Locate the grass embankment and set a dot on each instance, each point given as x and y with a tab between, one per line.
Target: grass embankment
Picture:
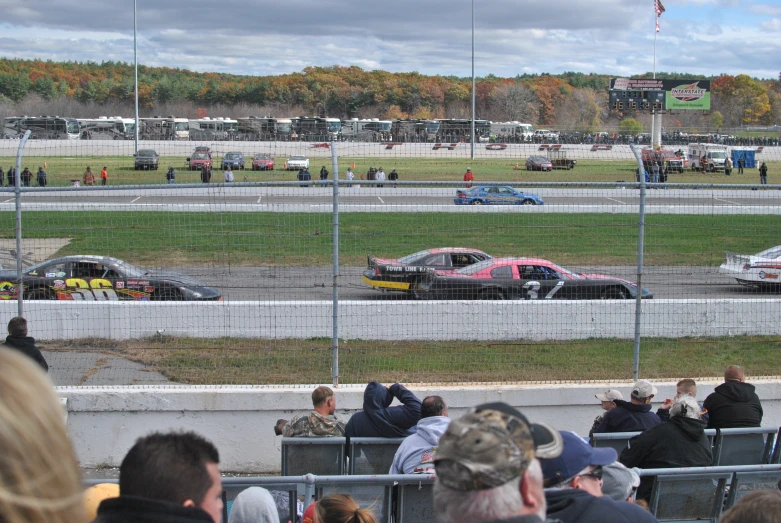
273	239
260	361
61	170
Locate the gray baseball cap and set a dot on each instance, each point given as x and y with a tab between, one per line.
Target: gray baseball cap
643	389
610	395
490	445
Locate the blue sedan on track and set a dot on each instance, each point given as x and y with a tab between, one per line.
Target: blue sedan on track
495	195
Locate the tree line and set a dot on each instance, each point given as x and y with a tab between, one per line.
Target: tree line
569	100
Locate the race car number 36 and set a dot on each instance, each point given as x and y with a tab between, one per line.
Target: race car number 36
96	290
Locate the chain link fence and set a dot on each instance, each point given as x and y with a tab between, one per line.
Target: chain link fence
281	276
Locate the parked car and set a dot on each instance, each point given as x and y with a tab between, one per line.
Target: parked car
295	163
263	162
538	163
495	195
147	159
199	161
234	160
402	274
524	279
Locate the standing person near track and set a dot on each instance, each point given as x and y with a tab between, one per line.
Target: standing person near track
41	176
89	176
104	176
469	177
393	177
763	174
171	175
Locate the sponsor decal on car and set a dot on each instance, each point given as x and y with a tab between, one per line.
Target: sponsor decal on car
50	275
132	282
149	288
7	290
120	285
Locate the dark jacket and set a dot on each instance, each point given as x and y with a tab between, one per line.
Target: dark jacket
733	404
529	518
378	419
27	346
628	417
681	442
578	506
133	509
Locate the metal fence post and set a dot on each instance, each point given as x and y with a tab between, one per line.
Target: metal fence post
18	201
335	306
640	244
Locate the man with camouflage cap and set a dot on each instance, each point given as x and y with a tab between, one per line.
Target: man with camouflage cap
318	423
488	470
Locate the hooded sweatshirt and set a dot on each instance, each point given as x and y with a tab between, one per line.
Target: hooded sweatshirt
679	443
133	509
378	419
733	404
27	346
254	505
578	506
415	455
628	417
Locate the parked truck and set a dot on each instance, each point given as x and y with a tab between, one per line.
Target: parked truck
670	160
707	156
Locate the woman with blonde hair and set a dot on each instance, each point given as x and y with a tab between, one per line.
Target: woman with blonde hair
341	508
39	476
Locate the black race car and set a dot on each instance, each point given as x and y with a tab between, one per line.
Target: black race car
524	279
102	278
404	273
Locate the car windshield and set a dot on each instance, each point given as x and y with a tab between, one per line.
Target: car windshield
475	268
200	156
262	156
772	253
718	155
182	126
413	257
233	156
297	158
146	152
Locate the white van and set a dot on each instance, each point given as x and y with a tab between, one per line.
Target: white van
707	156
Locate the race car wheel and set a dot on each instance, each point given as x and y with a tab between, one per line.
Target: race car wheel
528	202
614	293
491	294
477	202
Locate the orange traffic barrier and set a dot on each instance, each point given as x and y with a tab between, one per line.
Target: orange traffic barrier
516	167
285	167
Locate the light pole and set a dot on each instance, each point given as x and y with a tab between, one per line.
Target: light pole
135	61
472	132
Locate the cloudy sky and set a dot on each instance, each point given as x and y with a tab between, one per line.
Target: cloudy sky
267	37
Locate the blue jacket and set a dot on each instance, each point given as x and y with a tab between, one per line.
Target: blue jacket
378	419
578	506
628	417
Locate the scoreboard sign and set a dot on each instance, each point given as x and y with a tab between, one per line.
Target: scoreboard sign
628	94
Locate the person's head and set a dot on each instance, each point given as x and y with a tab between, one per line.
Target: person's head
608	398
734	373
432	406
642	392
104	167
179	467
487	465
89	168
323	399
254	505
341	508
579	466
39	477
760	506
94	495
469	169
686	387
685	407
618	482
17	327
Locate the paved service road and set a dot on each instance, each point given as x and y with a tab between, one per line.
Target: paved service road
315	283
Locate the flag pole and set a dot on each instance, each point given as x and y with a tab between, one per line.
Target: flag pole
654	145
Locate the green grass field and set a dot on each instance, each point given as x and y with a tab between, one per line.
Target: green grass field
61	170
304	239
252	361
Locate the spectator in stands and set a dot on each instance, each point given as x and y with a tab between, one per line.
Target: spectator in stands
679	443
761	506
469	177
378	419
416	453
733	403
608	403
341	508
39	475
170	477
41	177
89	176
685	387
18	339
633	415
254	505
321	422
488	467
573	484
619	483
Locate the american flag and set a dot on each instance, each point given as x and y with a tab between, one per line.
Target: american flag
658	7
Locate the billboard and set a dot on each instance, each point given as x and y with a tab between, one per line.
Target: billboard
678	94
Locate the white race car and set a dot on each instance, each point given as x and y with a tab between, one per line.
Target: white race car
758	270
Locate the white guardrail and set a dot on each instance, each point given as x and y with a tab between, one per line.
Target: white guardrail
383	320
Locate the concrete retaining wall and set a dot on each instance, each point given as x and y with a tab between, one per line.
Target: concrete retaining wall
402	320
105	421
